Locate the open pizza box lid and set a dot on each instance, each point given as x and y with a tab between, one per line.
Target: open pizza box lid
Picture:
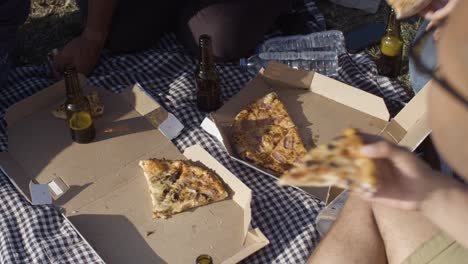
100	188
321	108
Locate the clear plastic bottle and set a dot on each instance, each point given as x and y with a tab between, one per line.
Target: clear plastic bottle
324	62
332	40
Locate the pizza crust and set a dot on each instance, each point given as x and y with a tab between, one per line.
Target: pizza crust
178	185
407	8
337	163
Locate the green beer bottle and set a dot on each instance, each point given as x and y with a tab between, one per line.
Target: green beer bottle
204	259
206	78
77	108
391	47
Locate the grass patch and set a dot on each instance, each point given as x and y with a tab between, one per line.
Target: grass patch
51	24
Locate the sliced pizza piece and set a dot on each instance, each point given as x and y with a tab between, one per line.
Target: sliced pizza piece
265	135
407	8
177	185
337	163
97	108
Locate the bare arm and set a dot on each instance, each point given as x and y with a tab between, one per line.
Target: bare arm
83	51
408	183
99	19
447	207
360	244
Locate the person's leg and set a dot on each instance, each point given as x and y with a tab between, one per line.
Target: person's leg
13	13
354	238
235	26
402	231
137	25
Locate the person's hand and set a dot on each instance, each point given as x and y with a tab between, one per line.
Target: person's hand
438	11
82	52
404	180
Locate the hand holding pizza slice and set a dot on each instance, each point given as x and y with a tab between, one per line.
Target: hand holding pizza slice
337	163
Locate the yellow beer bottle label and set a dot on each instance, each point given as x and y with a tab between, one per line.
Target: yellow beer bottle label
80	120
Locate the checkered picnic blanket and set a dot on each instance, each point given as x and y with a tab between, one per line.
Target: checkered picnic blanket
40	234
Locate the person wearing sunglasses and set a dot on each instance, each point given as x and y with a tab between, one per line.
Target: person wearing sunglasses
417	215
434	14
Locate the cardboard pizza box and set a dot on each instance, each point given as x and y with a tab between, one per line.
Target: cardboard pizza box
100	188
321	108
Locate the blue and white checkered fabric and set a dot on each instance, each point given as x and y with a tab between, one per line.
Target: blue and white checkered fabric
39	234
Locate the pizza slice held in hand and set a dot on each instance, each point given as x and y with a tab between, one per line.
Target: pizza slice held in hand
337	163
179	185
265	135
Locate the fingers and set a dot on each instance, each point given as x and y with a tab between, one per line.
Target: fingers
430	25
437	13
382	150
433	6
369	138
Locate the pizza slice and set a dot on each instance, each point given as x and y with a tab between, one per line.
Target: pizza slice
407	8
178	185
265	135
97	108
337	163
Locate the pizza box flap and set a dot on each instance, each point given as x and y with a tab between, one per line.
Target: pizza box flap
242	195
219	229
279	74
410	126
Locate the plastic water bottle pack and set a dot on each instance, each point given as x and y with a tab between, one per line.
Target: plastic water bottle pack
314	52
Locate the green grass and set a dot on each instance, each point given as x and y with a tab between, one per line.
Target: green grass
52	23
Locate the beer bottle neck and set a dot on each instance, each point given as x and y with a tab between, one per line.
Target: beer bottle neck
206	56
393	25
72	84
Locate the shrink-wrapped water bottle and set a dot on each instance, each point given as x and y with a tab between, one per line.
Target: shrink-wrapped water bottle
314	52
324	62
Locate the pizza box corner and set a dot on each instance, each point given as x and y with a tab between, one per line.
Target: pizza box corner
321	108
101	190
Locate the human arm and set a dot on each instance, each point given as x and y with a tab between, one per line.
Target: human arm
83	51
438	11
447	208
408	183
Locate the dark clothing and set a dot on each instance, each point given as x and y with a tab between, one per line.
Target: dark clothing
13	13
236	26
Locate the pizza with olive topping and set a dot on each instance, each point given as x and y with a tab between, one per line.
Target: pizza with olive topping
337	163
179	185
265	135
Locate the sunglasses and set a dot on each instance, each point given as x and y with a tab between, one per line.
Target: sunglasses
430	67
